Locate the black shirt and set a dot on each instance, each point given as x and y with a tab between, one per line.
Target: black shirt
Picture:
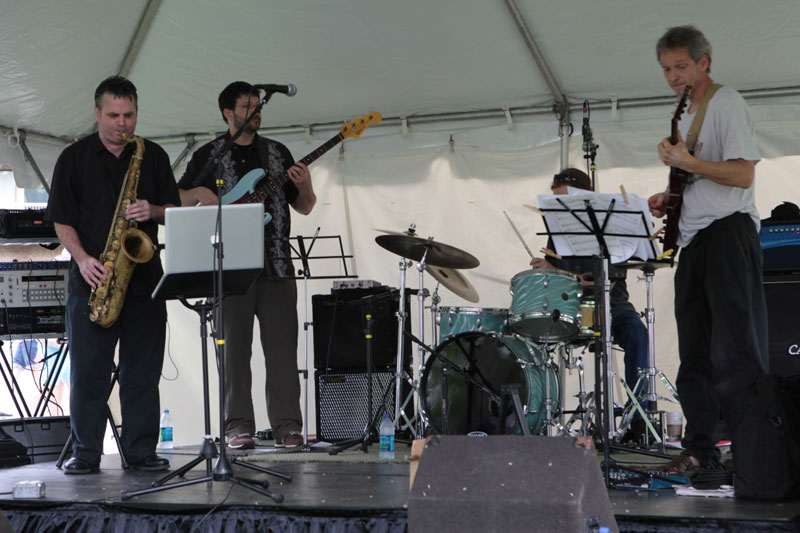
87	180
274	158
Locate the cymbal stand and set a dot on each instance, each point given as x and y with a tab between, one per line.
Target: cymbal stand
645	386
399	410
421	295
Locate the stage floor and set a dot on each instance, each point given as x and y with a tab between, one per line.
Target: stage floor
367	492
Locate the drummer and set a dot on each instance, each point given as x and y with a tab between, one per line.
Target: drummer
626	326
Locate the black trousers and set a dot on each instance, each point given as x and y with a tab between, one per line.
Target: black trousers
140	331
722	328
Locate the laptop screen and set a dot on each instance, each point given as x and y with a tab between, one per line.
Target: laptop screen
190	255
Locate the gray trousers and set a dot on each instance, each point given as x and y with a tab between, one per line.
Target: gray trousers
274	302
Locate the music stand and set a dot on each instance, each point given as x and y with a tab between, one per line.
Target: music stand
304	254
578	229
196	275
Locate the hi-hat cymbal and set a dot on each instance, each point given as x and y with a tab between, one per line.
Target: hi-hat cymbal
438	254
455	281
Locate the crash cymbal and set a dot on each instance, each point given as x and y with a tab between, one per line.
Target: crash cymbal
455	281
439	254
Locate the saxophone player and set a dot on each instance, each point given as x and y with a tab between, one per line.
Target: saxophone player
87	183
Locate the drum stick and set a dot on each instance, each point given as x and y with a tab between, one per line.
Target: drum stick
624	194
551	253
534	209
657	233
519	235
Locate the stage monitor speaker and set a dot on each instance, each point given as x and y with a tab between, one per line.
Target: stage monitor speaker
342	402
508	483
340	328
44	437
782	293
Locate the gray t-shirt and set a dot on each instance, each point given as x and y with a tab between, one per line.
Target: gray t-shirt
727	133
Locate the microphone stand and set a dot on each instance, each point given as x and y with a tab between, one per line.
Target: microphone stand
589	147
223	471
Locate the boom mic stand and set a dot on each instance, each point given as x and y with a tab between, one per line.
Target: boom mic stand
223	471
589	146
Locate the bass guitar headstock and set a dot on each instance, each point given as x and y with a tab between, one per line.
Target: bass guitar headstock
355	128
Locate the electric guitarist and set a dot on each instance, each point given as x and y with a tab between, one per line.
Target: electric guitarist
719	299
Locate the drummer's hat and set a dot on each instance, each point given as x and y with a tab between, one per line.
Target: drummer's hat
573	178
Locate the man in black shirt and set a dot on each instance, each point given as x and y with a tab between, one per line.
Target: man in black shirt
273	297
626	326
87	181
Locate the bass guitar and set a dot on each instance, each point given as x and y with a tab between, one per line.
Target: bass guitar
677	182
253	187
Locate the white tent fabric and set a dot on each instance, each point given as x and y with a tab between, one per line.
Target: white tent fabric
449	67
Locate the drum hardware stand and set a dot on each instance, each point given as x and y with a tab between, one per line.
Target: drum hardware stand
550	420
645	386
585	404
511	390
114	431
223	471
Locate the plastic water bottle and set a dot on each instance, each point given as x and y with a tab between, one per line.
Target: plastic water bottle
165	438
387	437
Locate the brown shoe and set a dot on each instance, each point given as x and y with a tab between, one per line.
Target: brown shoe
684	464
241	442
293	438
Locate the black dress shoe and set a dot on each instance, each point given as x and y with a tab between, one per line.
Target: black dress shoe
79	466
151	463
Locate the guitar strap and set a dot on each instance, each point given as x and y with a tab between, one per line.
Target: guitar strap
697	123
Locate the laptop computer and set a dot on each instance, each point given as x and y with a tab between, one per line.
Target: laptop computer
190	256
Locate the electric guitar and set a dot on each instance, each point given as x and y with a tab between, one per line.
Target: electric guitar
254	188
677	182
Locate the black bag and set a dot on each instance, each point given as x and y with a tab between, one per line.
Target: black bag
766	442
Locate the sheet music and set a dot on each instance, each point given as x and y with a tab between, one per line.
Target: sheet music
619	248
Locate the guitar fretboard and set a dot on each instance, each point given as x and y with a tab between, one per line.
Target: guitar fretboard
273	185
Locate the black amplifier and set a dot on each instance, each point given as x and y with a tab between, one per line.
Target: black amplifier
782	293
340	328
25	224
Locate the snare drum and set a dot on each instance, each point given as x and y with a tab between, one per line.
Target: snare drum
454	320
491	360
545	304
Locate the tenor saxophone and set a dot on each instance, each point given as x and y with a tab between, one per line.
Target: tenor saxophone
125	247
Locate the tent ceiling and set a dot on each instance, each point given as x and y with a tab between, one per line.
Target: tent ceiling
409	58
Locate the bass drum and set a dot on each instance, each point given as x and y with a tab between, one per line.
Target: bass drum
478	365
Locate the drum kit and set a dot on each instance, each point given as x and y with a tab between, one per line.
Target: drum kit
486	356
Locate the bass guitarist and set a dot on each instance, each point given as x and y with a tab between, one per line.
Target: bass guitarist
273	297
719	300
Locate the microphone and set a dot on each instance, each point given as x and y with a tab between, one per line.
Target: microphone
587	130
289	89
555	315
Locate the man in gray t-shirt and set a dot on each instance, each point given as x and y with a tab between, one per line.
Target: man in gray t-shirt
719	299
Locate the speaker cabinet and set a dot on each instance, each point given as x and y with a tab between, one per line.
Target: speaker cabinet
508	483
782	293
340	328
342	402
44	437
